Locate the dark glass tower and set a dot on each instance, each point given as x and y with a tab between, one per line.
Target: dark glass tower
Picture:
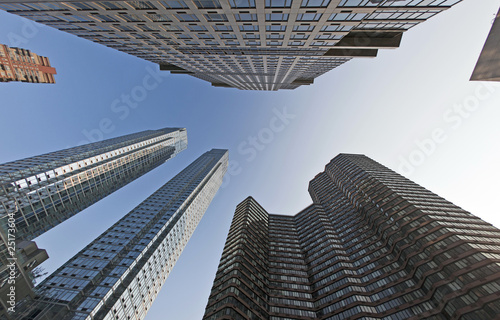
38	193
373	245
120	273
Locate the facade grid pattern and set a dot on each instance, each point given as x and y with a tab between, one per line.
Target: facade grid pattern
246	44
120	273
38	193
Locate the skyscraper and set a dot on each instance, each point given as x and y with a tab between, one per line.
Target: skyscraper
18	64
372	245
119	274
488	64
40	192
245	44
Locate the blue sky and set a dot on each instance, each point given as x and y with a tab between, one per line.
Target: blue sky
411	109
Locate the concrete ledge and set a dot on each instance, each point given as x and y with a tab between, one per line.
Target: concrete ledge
303	81
169	67
382	40
181	72
221	85
351	52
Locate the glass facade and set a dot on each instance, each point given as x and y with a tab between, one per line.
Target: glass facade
373	245
38	193
209	39
42	191
120	273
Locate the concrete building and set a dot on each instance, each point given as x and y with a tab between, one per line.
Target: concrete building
120	273
38	193
245	44
23	65
372	245
488	65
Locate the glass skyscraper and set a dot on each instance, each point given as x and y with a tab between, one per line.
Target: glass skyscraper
40	192
245	44
120	273
44	190
372	245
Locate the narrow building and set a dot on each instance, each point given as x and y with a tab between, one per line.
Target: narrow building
120	273
17	64
40	192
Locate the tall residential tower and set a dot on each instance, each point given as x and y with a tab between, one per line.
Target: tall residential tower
120	273
245	44
373	245
38	193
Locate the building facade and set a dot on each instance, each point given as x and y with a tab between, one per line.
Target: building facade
245	44
373	245
120	273
18	64
488	65
38	193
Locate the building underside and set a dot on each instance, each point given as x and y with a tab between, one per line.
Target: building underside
244	44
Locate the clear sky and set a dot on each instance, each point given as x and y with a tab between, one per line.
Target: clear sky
411	109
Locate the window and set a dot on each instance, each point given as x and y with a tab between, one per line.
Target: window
105	18
231	43
274	43
277	17
242	3
81	6
186	17
227	36
222	28
309	16
252	43
215	17
207	4
249	28
315	3
347	16
278	3
275	36
158	18
251	36
275	28
197	28
299	36
171	28
360	3
205	36
328	37
211	43
303	28
336	27
246	17
174	4
142	5
111	6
